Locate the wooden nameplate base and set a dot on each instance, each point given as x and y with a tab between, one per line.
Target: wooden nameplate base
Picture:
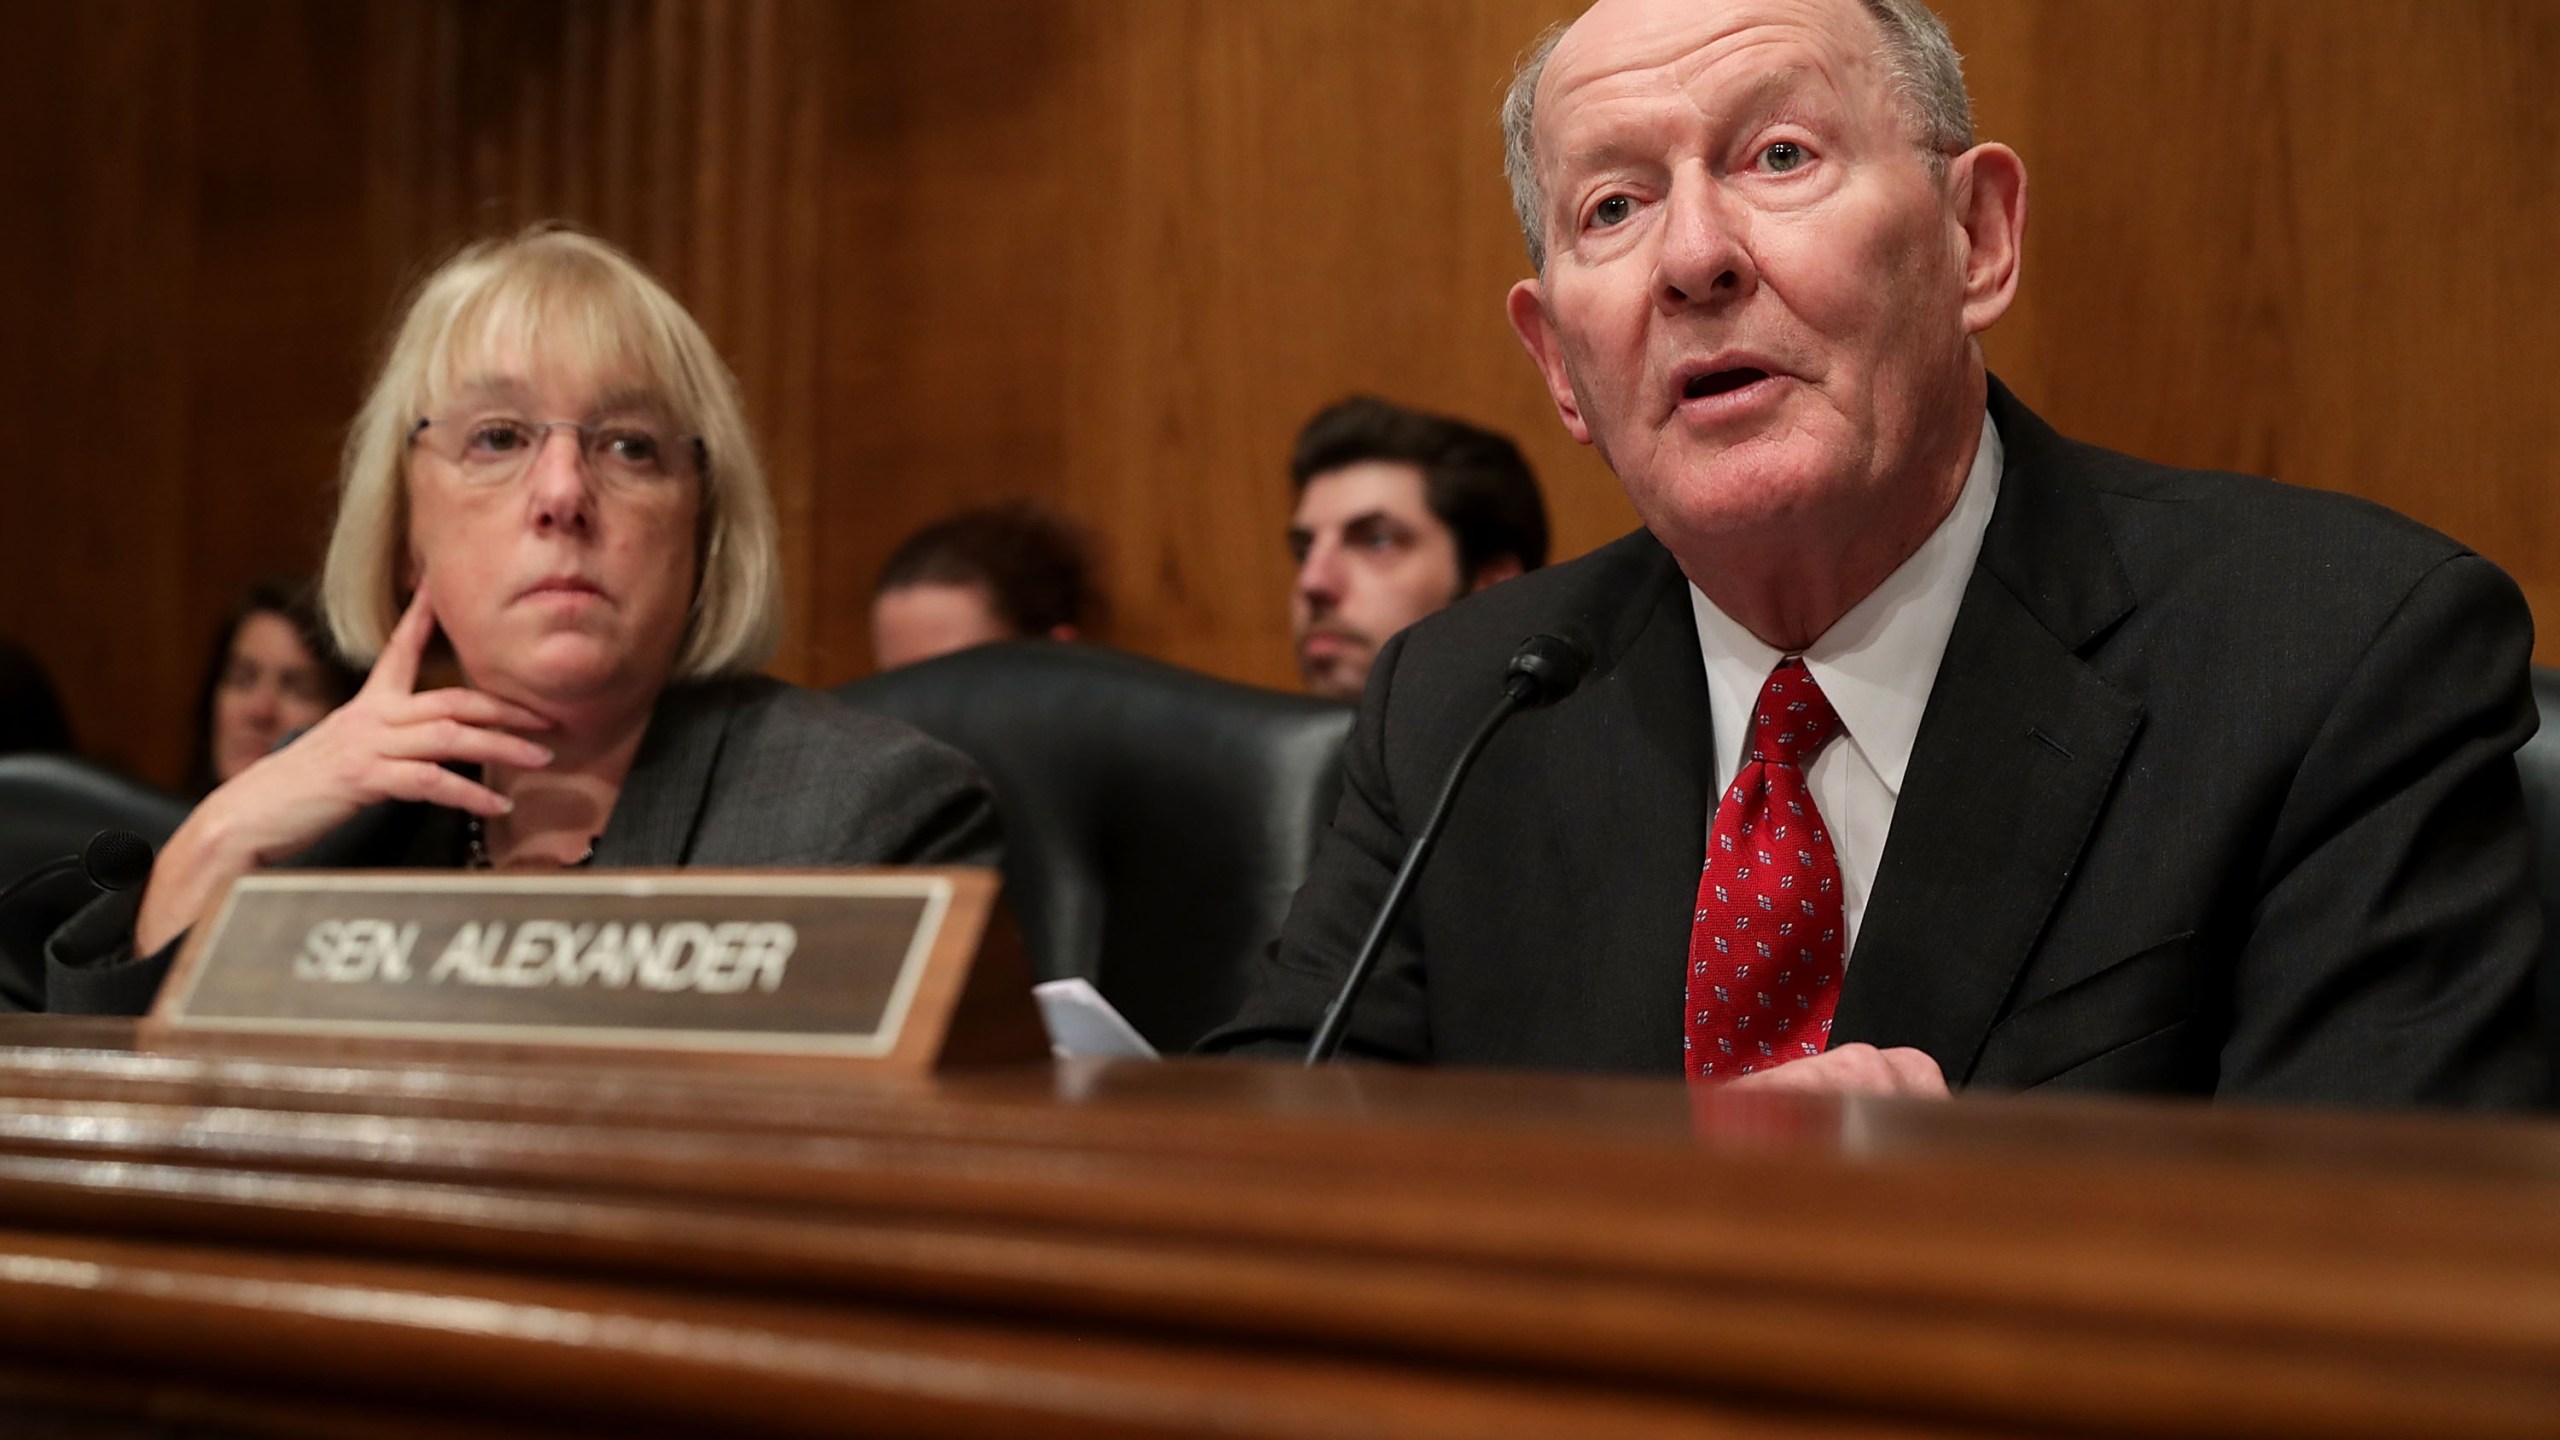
903	970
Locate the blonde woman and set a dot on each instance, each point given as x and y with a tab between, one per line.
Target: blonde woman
553	471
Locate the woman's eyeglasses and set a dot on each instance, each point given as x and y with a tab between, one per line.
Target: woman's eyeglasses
496	449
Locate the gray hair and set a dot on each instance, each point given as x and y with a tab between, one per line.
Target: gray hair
1928	77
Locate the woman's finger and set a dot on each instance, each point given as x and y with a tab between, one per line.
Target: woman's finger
441	740
426	781
471	707
396	673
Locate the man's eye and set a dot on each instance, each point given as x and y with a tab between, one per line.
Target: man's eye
1613	211
1782	156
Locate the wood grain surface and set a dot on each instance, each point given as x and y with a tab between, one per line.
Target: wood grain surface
1110	254
1169	1249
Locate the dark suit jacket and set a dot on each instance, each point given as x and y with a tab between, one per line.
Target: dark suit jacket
2214	794
734	772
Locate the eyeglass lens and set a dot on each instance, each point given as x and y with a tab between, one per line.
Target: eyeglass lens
494	449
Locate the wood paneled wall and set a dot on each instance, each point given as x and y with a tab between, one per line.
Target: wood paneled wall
1110	253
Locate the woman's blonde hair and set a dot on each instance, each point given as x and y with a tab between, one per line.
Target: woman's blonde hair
552	295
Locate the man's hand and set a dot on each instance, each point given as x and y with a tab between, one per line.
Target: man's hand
1853	1070
388	743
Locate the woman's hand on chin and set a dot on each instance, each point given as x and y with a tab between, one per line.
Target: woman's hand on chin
389	743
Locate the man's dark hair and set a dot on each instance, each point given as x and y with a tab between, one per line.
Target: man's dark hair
1035	563
1474	480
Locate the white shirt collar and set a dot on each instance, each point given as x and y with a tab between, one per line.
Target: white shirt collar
1875	664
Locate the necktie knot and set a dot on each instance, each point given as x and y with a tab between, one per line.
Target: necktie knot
1793	721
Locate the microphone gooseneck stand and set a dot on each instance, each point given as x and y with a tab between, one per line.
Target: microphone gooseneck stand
113	860
1545	669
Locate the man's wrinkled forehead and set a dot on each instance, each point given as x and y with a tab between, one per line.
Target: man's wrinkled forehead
1661	46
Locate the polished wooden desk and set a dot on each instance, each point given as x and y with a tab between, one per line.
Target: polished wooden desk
281	1243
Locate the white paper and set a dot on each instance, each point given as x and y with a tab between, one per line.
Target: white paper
1083	1025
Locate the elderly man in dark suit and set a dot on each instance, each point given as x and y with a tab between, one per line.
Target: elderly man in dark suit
1922	745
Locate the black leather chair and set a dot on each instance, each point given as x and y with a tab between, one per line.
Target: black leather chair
2539	763
49	807
1157	821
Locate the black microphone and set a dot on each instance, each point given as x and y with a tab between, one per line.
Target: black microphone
113	860
1545	669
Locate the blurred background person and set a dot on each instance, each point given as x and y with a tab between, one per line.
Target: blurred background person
553	468
1009	571
273	671
1399	513
31	713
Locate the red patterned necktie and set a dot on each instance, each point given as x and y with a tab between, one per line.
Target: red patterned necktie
1764	960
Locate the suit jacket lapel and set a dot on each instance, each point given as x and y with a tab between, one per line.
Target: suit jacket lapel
2015	757
654	820
1625	764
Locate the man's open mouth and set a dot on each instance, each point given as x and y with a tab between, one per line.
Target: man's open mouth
1721	382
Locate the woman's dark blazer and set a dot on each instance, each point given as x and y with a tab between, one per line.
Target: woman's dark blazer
731	772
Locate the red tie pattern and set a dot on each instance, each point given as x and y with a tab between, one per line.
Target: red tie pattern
1765	956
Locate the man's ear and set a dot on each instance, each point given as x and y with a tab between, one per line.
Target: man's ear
1494	571
1989	184
1529	320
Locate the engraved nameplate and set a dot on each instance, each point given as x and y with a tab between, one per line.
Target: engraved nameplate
810	963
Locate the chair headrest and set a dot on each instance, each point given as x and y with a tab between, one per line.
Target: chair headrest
51	804
1042	700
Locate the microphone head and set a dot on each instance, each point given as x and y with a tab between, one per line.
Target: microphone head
116	859
1546	668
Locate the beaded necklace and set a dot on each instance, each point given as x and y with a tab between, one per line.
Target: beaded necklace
476	857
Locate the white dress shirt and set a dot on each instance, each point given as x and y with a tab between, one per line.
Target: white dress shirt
1876	665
